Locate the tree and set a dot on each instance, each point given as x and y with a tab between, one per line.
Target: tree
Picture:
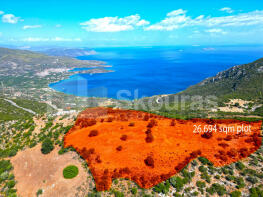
47	146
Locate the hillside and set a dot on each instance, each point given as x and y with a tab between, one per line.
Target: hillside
26	74
239	89
242	81
19	62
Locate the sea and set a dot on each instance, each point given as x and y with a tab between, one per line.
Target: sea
147	71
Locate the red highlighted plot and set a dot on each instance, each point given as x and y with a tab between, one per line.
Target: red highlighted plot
149	148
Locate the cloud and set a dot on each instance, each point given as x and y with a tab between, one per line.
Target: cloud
216	31
176	12
58	25
10	18
114	24
60	39
173	20
178	19
55	39
227	9
32	26
1	12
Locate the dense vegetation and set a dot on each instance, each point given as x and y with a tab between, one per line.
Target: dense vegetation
35	106
10	112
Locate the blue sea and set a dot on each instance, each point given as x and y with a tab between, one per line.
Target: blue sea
147	71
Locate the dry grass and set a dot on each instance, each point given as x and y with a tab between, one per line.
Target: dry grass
34	171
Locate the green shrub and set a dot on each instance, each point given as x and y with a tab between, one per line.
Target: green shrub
162	187
4	176
217	176
11	184
47	146
205	161
62	151
134	190
255	192
200	184
235	194
240	165
12	152
32	144
240	182
230	177
115	181
216	188
177	183
39	192
5	165
177	195
252	180
70	172
118	194
94	194
206	177
11	176
187	175
202	169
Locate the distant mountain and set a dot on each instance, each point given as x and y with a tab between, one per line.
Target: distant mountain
242	81
68	52
24	61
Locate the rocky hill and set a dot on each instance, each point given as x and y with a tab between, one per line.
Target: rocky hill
242	81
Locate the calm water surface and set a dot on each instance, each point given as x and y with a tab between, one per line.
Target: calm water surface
154	71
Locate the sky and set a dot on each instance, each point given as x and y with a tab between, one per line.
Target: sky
103	23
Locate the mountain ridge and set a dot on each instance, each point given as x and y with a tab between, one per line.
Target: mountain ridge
243	81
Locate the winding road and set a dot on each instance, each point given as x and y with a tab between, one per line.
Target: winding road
14	104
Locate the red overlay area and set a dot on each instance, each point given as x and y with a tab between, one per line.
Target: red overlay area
148	148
